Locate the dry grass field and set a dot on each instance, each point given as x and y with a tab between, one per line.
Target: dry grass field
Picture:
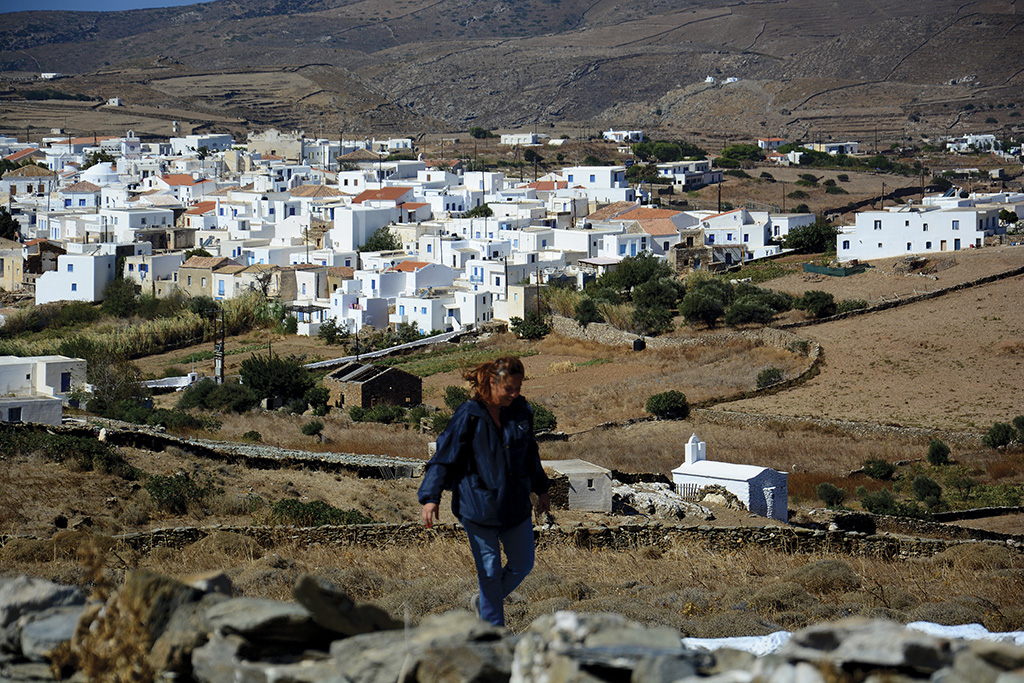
948	363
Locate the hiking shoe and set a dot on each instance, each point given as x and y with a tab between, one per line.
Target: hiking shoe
474	604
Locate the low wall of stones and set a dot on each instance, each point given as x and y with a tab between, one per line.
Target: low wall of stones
886	305
623	537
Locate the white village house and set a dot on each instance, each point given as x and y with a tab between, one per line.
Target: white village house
34	389
590	485
763	490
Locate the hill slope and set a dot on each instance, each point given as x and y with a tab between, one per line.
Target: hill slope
805	68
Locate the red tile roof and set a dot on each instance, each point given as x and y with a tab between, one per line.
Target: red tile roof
18	156
201	208
409	266
392	194
84	186
178	179
548	185
208	262
658	227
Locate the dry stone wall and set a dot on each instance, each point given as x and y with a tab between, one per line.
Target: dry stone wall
621	537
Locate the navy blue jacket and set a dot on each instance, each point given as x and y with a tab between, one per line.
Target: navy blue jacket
491	472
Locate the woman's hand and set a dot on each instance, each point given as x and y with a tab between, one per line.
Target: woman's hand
430	514
543	503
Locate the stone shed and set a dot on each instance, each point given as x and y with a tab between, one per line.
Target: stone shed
590	485
359	384
763	490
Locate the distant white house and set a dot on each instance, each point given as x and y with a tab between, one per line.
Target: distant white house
623	135
835	148
916	230
34	389
603	184
590	485
770	144
690	175
79	277
763	490
520	139
970	143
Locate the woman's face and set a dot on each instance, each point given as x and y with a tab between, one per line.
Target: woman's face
505	390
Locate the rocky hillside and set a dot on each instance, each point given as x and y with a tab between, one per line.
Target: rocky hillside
804	68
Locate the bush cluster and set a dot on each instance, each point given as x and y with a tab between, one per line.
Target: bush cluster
671	405
315	513
175	493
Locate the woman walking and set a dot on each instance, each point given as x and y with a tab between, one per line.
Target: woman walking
488	458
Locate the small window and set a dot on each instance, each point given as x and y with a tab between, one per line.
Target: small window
74	287
879	245
924	228
927	245
878	225
71	267
846	244
14	414
590	484
956	225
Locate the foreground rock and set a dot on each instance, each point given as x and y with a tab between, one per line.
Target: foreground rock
159	628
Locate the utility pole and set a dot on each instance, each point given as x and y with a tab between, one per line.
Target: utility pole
218	349
882	199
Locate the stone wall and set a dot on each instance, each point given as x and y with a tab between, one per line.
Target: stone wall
622	537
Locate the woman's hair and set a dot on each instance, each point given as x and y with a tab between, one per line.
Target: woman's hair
496	370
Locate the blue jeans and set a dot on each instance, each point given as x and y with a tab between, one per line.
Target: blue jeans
497	582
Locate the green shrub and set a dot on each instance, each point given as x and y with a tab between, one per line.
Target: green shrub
748	310
768	377
455	396
878	468
382	413
439	421
927	490
176	492
847	305
1018	424
999	434
416	414
586	312
543	419
938	453
702	307
830	494
317	398
173	419
252	435
533	326
313	428
314	513
879	503
816	302
668	405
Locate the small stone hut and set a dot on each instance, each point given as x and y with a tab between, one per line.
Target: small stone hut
358	384
590	485
763	490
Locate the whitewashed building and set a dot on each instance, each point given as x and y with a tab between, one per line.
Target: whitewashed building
590	485
762	490
34	389
916	230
